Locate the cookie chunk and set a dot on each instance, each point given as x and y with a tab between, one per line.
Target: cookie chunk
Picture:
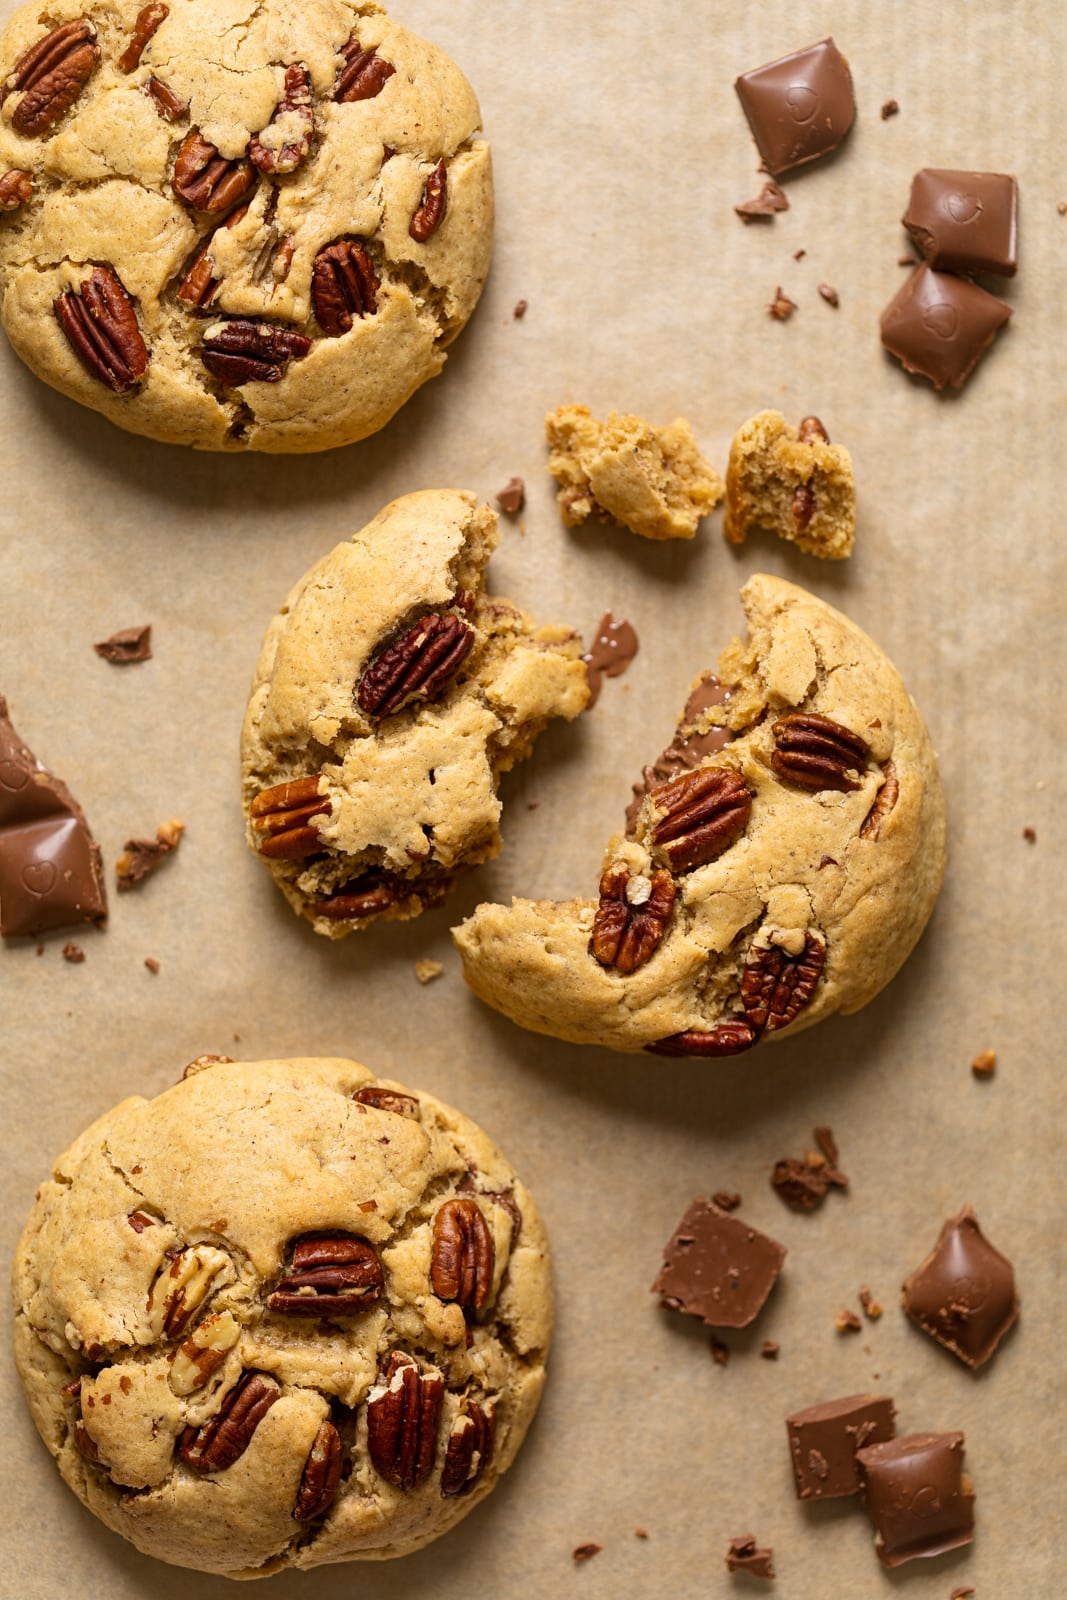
792	481
391	694
249	228
282	1314
653	481
783	856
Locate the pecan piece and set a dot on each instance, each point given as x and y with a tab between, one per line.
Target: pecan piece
430	212
803	505
402	1422
170	106
321	1475
382	1099
203	1352
181	1287
286	140
815	753
225	1437
419	663
728	1038
367	896
144	28
344	285
86	1445
334	1275
469	1449
631	918
284	816
199	285
811	428
884	801
207	181
704	812
16	188
102	329
242	351
364	74
51	75
461	1263
775	984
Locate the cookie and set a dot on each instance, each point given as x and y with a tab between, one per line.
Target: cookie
653	481
282	1314
792	481
783	856
391	694
237	224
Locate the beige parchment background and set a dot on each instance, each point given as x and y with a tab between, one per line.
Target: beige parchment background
620	151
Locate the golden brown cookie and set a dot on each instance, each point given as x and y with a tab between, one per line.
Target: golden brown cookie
792	481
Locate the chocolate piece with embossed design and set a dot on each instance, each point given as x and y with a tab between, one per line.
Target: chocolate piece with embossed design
939	326
917	1495
964	1293
799	107
823	1441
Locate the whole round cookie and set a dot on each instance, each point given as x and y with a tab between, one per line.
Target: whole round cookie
782	857
237	224
282	1314
391	694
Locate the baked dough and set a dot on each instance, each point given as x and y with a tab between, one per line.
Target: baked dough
308	245
154	1290
784	856
792	481
364	800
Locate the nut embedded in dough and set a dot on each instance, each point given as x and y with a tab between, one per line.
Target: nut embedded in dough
792	481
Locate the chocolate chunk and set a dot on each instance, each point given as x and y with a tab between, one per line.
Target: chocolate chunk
917	1495
745	1556
718	1268
830	295
823	1441
781	307
142	856
804	1184
889	109
614	647
50	869
939	326
800	107
963	1295
964	221
130	644
769	200
512	496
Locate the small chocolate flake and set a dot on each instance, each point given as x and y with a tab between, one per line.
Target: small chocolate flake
512	497
798	255
726	1199
830	294
720	1352
129	644
769	1349
966	1590
585	1552
871	1309
1029	835
890	109
142	856
770	199
520	309
745	1556
984	1064
152	964
640	1533
781	307
824	1138
847	1321
73	952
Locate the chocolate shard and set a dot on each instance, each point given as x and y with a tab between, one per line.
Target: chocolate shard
744	1555
718	1268
823	1441
964	1295
129	644
964	221
917	1495
143	856
799	107
940	326
51	874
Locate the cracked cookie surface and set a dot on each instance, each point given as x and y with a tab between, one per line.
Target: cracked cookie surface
390	696
237	224
782	858
282	1314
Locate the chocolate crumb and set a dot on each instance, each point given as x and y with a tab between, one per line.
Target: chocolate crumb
585	1552
520	309
726	1199
769	1349
1029	835
907	261
129	644
770	199
824	1138
829	294
968	1589
640	1533
890	109
512	496
142	856
73	952
847	1321
745	1556
781	307
1061	207
798	255
720	1352
871	1309
151	963
984	1064
40	949
532	805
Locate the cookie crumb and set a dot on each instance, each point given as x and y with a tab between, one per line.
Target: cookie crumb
726	1199
585	1552
640	1533
142	856
871	1309
512	497
520	309
129	644
830	294
793	482
847	1321
984	1064
1029	835
745	1556
769	1349
151	963
1061	207
720	1352
73	952
889	109
427	971
770	199
781	307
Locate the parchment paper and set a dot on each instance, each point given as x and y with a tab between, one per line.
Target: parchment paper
620	151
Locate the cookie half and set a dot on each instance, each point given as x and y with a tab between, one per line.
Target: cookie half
782	857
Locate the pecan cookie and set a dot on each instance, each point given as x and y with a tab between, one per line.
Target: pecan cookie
248	227
280	1315
792	481
782	857
390	695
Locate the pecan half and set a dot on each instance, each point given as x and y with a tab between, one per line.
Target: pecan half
419	663
284	816
207	181
170	106
85	1445
811	428
884	801
431	209
469	1449
51	75
334	1275
225	1437
728	1038
815	753
286	140
704	812
461	1263
631	918
144	28
776	986
402	1422
321	1475
16	187
367	896
344	285
242	351
363	75
203	1352
102	329
803	505
382	1099
181	1287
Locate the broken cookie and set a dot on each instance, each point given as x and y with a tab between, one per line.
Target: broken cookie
792	481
